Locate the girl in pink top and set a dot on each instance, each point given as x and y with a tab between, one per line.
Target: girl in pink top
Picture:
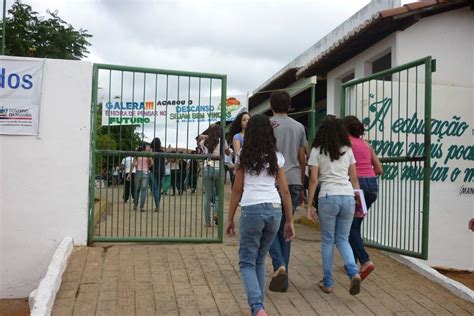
368	167
142	165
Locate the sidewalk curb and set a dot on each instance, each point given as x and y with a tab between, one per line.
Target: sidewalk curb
454	287
42	299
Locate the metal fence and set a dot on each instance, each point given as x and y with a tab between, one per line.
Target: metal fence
131	107
395	107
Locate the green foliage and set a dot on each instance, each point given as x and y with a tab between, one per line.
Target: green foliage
114	138
31	36
123	137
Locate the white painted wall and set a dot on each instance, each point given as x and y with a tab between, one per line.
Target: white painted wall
449	38
44	180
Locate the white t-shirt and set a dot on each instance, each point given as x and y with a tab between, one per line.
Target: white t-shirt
127	162
228	158
216	152
333	175
261	188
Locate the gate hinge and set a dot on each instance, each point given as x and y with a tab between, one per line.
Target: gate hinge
433	65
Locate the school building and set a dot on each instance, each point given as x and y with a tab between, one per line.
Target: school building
408	73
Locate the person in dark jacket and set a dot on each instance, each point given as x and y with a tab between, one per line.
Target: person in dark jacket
157	172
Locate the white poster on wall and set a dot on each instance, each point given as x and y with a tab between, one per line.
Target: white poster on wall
20	96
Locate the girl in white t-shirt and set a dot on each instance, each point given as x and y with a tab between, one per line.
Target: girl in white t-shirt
254	186
332	163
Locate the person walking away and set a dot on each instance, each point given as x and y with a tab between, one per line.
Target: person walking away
212	144
116	174
129	178
193	173
166	182
183	171
142	165
157	173
368	167
332	162
229	166
261	212
291	142
174	167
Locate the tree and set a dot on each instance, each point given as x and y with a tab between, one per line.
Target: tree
31	36
114	138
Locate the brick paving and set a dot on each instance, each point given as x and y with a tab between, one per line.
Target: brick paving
203	279
187	279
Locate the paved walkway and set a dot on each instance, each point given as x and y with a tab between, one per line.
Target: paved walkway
203	279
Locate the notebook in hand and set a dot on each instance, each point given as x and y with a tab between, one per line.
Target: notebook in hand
361	206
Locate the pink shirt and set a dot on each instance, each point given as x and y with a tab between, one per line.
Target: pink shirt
362	156
142	164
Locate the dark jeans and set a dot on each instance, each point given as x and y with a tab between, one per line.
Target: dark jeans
192	178
280	249
231	174
156	188
370	187
175	180
129	188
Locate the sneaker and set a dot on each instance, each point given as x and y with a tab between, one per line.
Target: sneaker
366	269
261	312
279	282
157	209
142	209
354	288
324	288
134	207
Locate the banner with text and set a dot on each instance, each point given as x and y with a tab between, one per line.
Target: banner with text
120	112
20	96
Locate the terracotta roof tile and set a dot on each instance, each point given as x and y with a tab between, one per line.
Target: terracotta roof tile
394	11
419	5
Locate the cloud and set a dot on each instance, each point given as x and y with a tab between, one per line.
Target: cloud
247	40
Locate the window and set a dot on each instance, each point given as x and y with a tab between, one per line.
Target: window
383	63
347	78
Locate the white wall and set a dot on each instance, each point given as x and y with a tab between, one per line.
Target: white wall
449	38
44	180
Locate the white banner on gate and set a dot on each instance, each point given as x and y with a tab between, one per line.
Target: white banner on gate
20	96
188	111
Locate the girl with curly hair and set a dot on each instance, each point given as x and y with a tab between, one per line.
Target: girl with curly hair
236	132
332	163
254	186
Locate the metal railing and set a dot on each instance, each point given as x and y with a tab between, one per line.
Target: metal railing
136	105
395	107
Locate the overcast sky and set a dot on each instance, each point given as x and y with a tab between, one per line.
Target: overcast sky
247	40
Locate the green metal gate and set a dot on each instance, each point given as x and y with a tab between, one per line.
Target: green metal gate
131	106
395	107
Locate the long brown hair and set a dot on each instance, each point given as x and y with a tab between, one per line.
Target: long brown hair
213	136
259	149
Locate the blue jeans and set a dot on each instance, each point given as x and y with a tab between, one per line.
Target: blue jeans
370	187
280	249
211	190
336	213
156	189
141	185
258	225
